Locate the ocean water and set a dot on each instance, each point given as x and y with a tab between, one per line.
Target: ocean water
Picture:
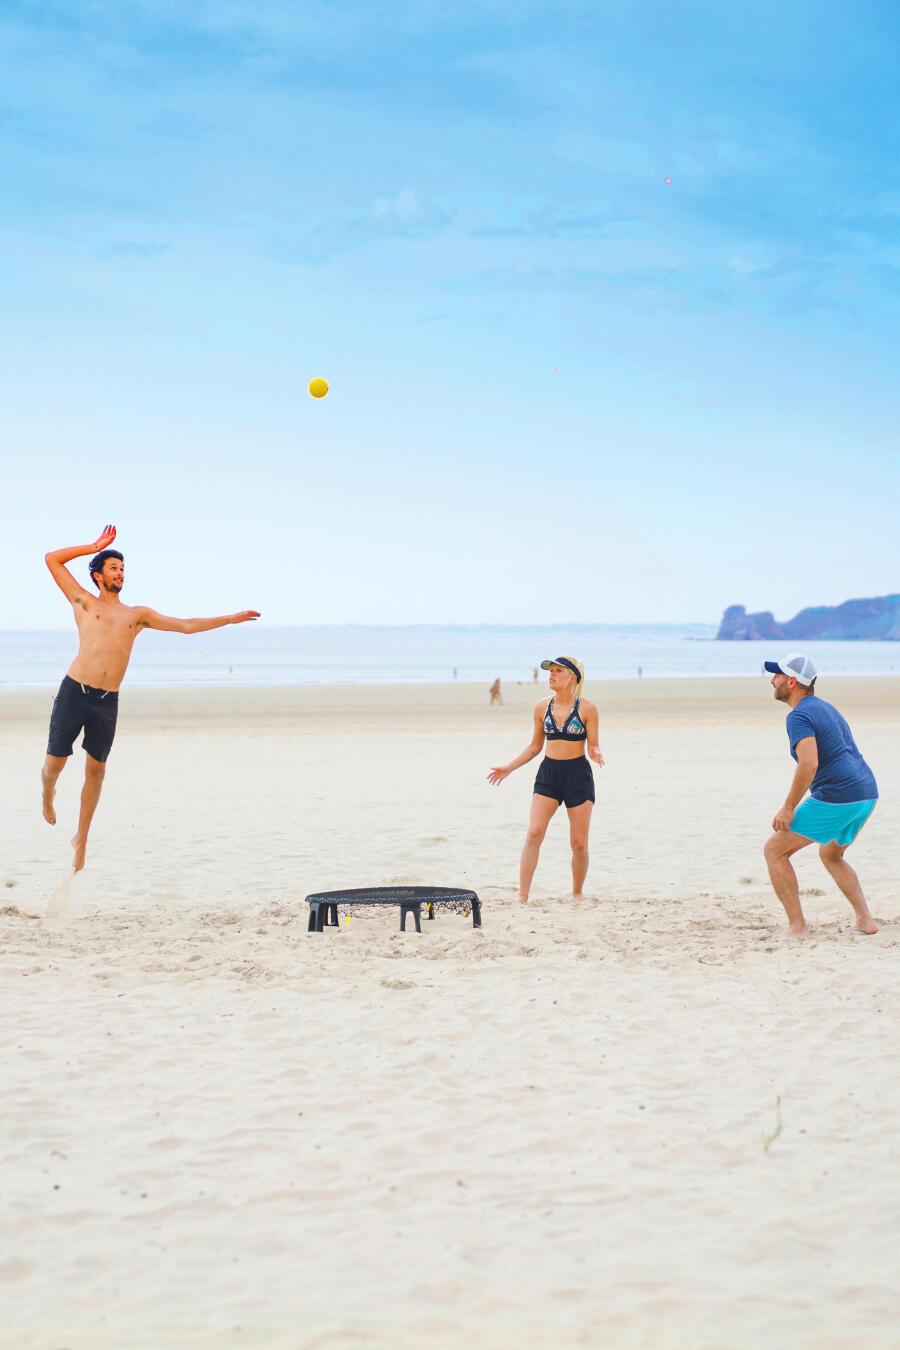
255	655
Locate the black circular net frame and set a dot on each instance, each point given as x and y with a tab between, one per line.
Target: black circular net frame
368	899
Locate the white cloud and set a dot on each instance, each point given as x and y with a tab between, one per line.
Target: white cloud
407	212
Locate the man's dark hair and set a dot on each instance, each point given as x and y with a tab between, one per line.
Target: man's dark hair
100	558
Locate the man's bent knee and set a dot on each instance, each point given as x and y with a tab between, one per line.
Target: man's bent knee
784	845
831	852
93	768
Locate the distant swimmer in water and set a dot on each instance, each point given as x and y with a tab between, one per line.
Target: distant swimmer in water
568	723
88	697
496	696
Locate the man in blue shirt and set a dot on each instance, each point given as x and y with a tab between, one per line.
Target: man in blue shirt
842	791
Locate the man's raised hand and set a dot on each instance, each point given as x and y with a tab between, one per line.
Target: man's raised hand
245	615
106	538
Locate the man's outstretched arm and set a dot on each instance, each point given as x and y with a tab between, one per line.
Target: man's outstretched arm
59	557
150	619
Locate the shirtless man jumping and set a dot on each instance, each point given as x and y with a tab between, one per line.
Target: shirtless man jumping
89	695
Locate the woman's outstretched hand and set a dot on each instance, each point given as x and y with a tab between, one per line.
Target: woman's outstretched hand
595	754
496	776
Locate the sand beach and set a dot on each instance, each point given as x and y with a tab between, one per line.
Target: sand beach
645	1122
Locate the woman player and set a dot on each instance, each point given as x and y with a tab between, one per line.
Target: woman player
568	722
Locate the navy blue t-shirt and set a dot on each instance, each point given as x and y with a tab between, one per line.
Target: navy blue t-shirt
843	775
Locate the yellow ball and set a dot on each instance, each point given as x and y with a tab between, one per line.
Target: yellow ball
318	388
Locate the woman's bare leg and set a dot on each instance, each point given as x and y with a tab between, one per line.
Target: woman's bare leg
543	810
579	828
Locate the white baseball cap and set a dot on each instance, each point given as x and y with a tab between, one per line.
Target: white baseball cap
801	667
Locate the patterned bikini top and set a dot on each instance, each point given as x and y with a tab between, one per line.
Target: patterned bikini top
573	729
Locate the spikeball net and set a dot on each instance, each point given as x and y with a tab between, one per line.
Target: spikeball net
368	899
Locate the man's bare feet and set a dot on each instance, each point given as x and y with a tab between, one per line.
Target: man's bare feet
47	796
867	925
523	899
79	845
578	895
796	932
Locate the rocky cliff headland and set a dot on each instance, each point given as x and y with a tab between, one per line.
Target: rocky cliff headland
875	620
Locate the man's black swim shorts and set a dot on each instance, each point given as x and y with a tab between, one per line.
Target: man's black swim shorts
80	705
569	781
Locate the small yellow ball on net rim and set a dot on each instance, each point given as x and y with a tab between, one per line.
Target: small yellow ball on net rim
318	388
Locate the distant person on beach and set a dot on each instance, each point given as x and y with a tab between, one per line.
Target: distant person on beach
534	678
496	696
568	723
88	697
842	788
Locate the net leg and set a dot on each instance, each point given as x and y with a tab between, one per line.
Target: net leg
430	913
414	908
333	921
321	911
476	913
312	927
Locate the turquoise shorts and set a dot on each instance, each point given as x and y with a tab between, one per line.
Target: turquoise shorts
827	822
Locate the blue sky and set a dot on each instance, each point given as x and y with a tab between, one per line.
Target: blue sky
561	388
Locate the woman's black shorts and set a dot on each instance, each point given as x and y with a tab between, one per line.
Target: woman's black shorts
79	705
569	781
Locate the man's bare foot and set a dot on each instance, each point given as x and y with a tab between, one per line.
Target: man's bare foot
579	895
867	925
801	931
523	899
47	796
79	845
